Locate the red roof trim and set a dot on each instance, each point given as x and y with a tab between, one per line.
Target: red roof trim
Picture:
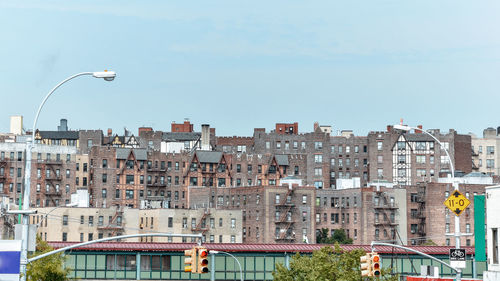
277	248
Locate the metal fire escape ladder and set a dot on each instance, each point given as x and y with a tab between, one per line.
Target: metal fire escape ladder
199	227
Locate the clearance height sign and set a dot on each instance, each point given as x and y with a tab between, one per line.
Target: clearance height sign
457	202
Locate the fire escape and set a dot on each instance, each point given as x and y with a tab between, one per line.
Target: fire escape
201	226
474	157
115	223
421	213
3	172
156	181
53	179
385	220
285	222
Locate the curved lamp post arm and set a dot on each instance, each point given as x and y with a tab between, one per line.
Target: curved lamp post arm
106	75
226	253
47	97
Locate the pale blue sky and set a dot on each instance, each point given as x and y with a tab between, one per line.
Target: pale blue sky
237	65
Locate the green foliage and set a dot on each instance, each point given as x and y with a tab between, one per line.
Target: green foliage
326	265
339	236
429	242
48	268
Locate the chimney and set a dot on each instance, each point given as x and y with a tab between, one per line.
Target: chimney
205	137
16	125
389	128
316	125
64	126
110	132
419	131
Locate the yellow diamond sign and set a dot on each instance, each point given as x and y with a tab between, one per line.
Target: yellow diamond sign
457	202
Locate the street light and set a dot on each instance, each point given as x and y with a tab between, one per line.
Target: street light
106	75
455	184
47	214
213	253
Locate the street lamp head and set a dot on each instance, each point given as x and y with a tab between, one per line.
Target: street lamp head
402	127
106	75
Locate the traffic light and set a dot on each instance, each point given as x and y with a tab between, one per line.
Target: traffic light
202	260
190	260
366	268
375	263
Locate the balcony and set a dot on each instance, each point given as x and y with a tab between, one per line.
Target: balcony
109	227
54	178
53	193
51	162
157	169
157	184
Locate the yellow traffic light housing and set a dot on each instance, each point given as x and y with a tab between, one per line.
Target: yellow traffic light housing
375	264
190	260
202	260
366	267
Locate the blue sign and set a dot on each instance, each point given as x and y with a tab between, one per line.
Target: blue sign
10	259
10	262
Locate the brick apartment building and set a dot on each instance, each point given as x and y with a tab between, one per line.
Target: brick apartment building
270	214
183	169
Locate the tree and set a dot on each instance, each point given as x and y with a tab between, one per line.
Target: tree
48	268
325	265
339	236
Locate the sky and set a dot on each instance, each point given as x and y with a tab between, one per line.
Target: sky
239	65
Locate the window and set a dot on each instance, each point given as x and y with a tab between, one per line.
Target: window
490	163
401	159
420	145
490	150
494	236
318	158
268	145
447	228
380	173
129	194
233	223
64	236
318	145
379	145
420	159
65	220
445	159
304	199
318	171
401	172
421	173
318	184
413	197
